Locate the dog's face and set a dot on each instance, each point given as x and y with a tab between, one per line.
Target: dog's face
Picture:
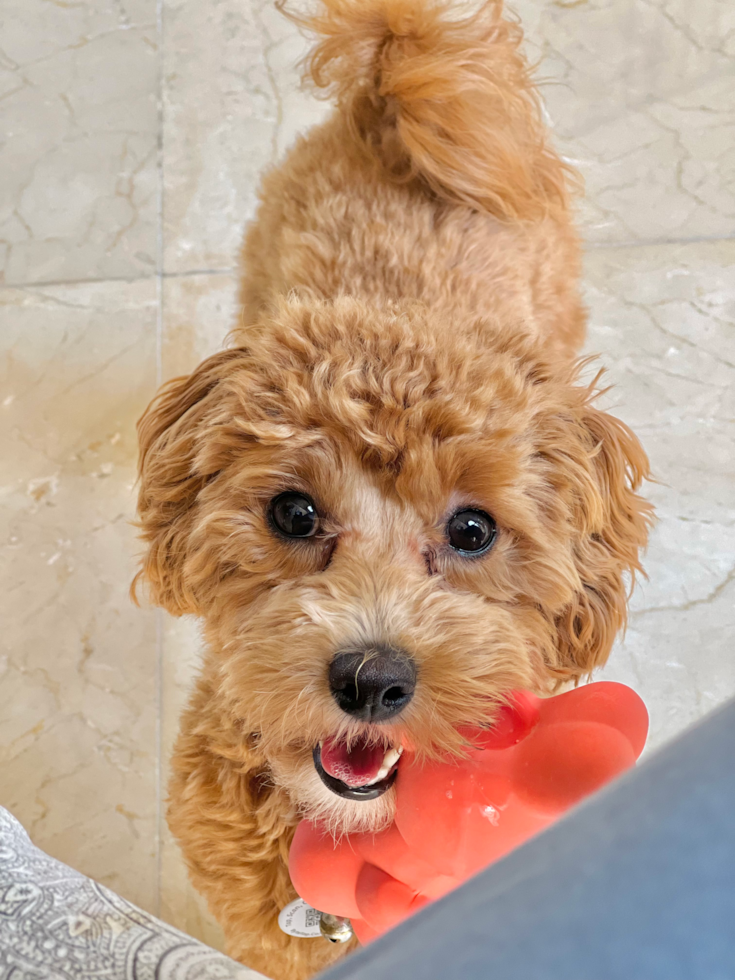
387	523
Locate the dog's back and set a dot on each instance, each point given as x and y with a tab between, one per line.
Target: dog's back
434	179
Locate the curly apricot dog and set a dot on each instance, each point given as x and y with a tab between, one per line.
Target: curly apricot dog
391	500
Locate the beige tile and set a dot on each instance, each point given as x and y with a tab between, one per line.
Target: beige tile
232	105
199	311
79	83
639	96
198	314
78	746
663	319
641	100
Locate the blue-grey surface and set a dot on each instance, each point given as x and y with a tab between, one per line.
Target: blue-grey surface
636	884
56	924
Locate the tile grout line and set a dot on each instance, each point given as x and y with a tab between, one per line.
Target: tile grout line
43	283
161	275
654	242
159	377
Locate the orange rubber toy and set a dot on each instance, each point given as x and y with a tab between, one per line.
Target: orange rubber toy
453	818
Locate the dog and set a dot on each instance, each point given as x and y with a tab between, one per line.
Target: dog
391	500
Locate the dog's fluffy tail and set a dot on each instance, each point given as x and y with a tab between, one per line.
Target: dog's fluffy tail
441	98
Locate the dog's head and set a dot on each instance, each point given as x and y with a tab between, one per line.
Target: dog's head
387	522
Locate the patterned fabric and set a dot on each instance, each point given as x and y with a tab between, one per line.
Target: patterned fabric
55	924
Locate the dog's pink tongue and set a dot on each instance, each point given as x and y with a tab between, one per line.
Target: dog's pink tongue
356	766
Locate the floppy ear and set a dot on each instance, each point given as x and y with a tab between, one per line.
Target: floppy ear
171	476
613	524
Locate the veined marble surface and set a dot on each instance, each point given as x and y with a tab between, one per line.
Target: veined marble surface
135	131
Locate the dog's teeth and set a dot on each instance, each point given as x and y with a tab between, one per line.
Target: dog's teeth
389	760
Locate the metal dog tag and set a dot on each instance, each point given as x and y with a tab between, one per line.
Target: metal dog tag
336	928
300	920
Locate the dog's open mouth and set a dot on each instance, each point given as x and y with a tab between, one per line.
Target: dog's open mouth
361	771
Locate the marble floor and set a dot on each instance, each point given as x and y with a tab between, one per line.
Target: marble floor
135	133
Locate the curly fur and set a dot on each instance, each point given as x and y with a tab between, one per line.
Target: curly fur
410	325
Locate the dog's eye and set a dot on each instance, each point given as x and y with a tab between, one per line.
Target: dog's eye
294	514
471	531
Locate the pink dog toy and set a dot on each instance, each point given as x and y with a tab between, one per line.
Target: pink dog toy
454	818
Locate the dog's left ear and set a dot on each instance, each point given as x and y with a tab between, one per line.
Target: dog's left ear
173	469
608	465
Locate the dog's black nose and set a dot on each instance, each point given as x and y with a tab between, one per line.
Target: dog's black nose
373	684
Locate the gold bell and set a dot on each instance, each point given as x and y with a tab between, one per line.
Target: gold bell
335	928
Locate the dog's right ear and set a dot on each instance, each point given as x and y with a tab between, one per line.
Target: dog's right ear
172	472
